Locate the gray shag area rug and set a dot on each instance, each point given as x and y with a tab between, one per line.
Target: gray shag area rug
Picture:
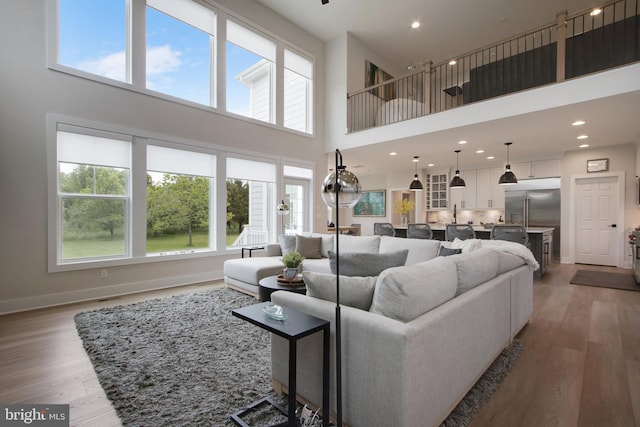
185	360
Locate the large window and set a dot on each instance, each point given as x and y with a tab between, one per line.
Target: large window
250	202
93	195
168	49
180	192
180	49
250	73
298	90
116	198
93	37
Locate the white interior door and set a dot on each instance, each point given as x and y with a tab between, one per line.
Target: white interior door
596	206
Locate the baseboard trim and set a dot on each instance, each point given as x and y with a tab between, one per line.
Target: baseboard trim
63	298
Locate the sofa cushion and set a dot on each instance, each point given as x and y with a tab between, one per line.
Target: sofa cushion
354	291
405	293
320	265
287	243
309	247
360	244
443	251
419	249
365	264
252	270
475	267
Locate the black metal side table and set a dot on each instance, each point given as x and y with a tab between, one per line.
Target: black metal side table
250	250
296	325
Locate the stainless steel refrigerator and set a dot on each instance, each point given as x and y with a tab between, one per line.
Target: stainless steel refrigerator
535	203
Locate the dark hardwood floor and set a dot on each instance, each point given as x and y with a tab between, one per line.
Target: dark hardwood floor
580	364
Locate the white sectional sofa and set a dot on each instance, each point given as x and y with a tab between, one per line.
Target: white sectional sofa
245	273
416	337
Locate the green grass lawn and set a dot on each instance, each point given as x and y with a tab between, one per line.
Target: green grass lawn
174	242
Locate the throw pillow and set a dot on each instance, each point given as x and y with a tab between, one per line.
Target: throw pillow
367	264
287	243
467	245
309	247
405	293
354	291
448	251
327	243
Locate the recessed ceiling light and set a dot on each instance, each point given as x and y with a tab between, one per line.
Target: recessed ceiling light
393	153
583	137
491	157
462	142
415	159
415	24
479	151
430	165
596	12
578	123
583	145
453	62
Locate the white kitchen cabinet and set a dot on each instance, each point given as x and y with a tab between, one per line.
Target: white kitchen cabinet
437	191
466	197
538	169
489	194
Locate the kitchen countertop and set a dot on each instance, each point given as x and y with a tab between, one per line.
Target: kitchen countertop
478	227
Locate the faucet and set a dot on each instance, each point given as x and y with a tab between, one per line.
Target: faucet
455	208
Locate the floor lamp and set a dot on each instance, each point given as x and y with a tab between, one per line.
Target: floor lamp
283	210
340	188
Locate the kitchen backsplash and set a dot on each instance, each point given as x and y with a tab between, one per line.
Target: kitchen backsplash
464	216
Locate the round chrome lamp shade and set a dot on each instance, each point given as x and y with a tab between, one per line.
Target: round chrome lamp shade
348	188
282	209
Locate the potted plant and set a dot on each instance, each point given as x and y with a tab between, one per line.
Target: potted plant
291	262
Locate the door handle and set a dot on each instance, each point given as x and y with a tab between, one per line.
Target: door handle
614	225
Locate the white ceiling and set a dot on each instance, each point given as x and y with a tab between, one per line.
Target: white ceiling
451	28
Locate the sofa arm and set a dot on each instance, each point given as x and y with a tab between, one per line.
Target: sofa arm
272	249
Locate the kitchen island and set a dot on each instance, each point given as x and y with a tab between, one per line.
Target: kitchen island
540	241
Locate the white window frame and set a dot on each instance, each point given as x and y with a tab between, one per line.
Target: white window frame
136	226
136	63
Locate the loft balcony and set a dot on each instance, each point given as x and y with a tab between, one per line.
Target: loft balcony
573	46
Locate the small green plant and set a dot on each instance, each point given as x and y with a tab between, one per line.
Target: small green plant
292	259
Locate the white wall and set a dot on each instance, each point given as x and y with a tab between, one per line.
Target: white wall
622	158
29	91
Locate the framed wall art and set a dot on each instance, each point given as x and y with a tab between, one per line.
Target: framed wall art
371	203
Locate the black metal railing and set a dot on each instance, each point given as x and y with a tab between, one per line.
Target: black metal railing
571	47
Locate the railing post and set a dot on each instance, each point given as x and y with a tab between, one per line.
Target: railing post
561	40
427	85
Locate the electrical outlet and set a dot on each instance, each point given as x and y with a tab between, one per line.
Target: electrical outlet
104	273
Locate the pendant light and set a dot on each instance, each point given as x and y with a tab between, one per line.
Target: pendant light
508	177
416	185
457	181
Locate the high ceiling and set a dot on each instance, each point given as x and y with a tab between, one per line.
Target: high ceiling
450	28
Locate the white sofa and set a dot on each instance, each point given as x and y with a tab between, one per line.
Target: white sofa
245	273
431	331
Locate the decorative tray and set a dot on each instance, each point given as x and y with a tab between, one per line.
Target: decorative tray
295	281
